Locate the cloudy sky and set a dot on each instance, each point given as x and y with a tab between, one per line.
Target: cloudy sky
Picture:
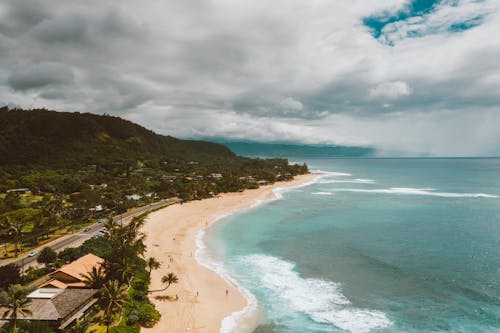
417	77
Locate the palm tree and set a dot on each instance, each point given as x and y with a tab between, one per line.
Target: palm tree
123	269
17	303
168	279
152	263
113	298
95	278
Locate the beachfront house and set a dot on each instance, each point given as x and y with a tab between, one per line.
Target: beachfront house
65	298
71	275
60	308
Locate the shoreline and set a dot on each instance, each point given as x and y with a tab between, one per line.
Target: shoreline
173	238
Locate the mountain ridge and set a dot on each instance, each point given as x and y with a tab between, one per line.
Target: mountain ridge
42	137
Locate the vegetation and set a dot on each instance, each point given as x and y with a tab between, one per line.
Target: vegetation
16	302
95	278
168	279
10	274
113	298
152	263
47	256
60	171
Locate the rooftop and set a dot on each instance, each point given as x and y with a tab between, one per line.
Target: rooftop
81	266
58	306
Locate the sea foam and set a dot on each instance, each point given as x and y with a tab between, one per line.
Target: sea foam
321	300
231	323
416	191
347	181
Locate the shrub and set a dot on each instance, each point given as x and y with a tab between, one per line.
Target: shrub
148	315
133	317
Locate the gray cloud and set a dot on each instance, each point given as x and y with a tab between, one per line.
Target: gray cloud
41	75
293	70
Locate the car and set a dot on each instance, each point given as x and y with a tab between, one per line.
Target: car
32	253
86	229
100	221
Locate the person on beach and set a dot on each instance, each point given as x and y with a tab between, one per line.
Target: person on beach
227	292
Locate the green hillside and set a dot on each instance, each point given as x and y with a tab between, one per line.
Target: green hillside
61	152
60	139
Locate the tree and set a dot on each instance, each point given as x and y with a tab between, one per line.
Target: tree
10	274
16	302
12	201
152	263
113	298
47	256
121	270
95	278
168	279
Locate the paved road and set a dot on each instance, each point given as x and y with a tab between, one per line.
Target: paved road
77	239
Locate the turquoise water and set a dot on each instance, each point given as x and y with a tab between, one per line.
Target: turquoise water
378	245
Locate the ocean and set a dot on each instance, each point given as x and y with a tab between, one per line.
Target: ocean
376	245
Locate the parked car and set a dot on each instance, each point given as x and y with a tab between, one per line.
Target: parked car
32	253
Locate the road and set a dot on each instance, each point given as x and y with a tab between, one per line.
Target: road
77	239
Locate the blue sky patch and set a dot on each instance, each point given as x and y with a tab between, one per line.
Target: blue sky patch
416	8
417	20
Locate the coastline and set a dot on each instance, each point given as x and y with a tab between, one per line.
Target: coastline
173	239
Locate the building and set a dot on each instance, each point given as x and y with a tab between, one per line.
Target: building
99	186
134	197
59	307
168	178
20	190
71	275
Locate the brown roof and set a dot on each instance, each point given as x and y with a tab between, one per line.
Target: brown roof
58	307
54	284
81	266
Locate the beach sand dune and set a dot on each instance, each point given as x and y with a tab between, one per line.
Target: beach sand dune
202	301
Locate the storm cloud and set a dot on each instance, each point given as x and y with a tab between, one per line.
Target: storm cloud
385	74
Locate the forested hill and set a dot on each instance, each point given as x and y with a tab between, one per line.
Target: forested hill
61	139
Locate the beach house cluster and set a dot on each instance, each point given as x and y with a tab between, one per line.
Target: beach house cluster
64	298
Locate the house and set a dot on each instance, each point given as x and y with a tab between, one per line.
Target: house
58	307
97	208
134	197
262	182
99	186
71	275
23	190
216	176
168	178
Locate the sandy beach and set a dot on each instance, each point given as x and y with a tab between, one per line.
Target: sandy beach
171	239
